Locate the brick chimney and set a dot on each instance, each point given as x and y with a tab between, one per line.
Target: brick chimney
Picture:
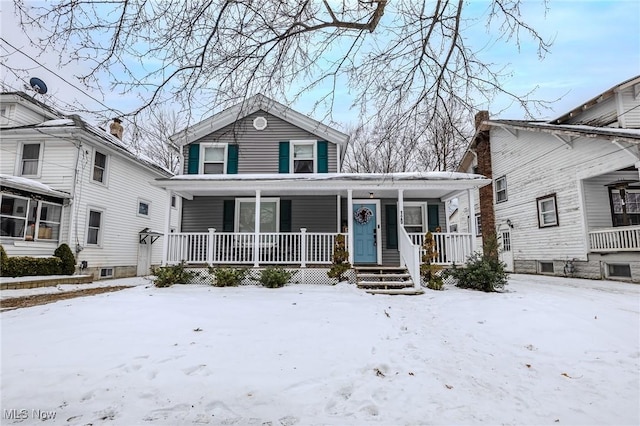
116	129
482	147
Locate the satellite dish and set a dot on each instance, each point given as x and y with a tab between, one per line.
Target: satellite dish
38	85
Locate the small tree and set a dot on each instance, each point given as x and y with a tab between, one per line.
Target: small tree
68	259
340	259
428	269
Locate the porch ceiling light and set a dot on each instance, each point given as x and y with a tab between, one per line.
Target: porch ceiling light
371	195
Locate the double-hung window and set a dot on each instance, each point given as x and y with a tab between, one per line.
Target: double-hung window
94	227
13	219
631	206
30	159
214	158
547	211
99	167
246	213
304	156
501	189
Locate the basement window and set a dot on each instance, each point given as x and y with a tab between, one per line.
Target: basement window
546	267
106	273
619	270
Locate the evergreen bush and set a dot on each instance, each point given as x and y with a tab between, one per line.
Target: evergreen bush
340	260
68	259
274	277
483	272
4	260
428	269
228	277
166	276
25	266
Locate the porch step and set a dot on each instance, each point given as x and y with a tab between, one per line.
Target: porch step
385	280
397	291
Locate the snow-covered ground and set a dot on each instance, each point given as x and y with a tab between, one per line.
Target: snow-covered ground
548	351
63	288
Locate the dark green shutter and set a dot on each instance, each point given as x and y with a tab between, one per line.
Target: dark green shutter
285	215
433	217
232	159
194	159
228	215
283	165
323	157
392	226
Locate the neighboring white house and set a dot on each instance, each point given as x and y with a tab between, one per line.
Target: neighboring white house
565	196
65	181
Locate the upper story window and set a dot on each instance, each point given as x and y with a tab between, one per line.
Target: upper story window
143	208
99	167
547	211
303	156
214	158
5	115
501	189
30	159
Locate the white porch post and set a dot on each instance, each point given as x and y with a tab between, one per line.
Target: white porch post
638	167
350	223
400	220
210	247
472	218
167	228
256	236
338	215
446	216
303	247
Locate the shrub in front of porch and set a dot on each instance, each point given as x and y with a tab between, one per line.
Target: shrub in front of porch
68	259
166	276
483	272
428	269
227	277
340	260
274	277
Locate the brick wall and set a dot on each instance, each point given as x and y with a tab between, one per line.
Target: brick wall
483	152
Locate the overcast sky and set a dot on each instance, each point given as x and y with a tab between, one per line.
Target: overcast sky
596	45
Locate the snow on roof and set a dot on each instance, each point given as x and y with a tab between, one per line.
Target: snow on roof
23	183
58	122
401	176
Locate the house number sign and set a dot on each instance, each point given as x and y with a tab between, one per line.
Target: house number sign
362	215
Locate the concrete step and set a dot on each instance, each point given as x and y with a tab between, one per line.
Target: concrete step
397	291
383	276
384	284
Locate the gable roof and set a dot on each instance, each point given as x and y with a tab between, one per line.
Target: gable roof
606	118
68	123
249	106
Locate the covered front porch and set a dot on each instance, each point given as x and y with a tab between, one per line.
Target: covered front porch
382	218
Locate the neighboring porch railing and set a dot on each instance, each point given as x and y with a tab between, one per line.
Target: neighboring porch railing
410	254
624	238
451	247
290	248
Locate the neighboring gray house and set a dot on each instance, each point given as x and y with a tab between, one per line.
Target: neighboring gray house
261	156
566	190
65	181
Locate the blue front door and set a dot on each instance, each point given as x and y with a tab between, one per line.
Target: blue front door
364	233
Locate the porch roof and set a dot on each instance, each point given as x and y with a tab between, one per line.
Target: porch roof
440	185
30	185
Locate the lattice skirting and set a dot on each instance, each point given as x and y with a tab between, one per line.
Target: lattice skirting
300	276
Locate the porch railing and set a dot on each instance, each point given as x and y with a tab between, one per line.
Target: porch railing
290	248
624	238
410	256
451	247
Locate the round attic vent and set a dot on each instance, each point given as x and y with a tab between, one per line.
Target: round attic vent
260	123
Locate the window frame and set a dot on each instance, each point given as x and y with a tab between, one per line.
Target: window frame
39	221
105	170
292	159
497	191
20	165
24	218
98	243
633	217
239	201
478	219
541	213
5	119
423	211
148	203
225	157
34	236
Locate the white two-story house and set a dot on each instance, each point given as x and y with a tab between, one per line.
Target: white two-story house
66	181
565	195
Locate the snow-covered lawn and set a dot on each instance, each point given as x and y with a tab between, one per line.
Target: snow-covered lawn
548	351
